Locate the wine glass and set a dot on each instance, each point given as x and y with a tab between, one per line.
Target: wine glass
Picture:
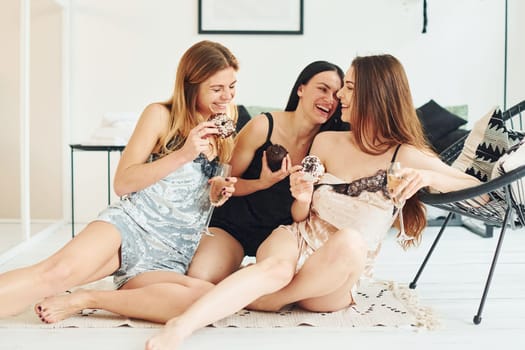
394	179
215	191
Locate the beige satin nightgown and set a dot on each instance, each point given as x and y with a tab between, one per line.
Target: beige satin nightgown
362	205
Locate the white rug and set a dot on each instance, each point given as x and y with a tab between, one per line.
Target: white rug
378	303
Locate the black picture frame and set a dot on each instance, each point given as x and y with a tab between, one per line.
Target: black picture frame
268	17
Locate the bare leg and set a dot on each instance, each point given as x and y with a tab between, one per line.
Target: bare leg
325	281
234	292
153	277
217	257
156	302
91	255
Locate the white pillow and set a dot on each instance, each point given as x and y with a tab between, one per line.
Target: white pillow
511	160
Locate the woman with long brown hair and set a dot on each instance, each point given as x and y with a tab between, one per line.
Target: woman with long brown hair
340	221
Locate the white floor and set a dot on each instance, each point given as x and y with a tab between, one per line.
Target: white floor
451	285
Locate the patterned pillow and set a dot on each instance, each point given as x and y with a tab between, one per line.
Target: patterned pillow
486	143
511	160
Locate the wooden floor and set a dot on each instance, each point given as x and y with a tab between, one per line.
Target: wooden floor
451	285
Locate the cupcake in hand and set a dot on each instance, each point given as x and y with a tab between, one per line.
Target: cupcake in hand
275	155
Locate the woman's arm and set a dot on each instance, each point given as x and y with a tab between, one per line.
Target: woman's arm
423	169
302	190
251	137
133	173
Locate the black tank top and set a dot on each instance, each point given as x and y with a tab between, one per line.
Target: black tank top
250	219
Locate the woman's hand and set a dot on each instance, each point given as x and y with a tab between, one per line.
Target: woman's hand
197	141
412	180
221	189
269	177
300	187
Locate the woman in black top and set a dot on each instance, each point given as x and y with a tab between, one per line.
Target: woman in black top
262	198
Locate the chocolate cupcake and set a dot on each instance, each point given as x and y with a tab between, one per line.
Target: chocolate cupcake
224	124
274	156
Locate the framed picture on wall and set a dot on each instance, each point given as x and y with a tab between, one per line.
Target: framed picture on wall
250	17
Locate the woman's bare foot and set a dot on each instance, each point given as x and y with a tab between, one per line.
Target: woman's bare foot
169	338
60	307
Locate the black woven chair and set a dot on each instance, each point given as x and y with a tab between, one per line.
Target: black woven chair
497	203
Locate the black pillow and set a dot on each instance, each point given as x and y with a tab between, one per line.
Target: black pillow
443	143
437	122
243	117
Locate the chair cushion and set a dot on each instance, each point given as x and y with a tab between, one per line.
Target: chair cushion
437	122
486	143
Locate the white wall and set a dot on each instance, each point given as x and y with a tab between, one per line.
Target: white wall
44	106
516	52
125	53
9	111
46	143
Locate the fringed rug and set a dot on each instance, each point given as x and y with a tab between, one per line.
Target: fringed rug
377	303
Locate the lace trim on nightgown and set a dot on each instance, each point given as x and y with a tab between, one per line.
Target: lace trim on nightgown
371	184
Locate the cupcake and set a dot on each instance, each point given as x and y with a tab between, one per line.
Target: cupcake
274	156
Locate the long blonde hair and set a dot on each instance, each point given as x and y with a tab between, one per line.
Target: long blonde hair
199	62
382	116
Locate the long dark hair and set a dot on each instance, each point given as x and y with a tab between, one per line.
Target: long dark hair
316	67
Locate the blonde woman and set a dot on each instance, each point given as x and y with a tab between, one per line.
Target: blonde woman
150	236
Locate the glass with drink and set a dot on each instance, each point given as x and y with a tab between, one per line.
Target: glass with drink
394	179
217	198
